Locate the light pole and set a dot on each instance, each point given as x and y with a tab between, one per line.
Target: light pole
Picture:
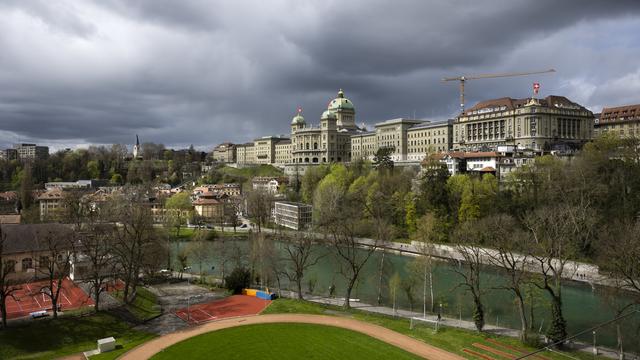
188	309
595	349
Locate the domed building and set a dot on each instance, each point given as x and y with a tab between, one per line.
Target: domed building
328	142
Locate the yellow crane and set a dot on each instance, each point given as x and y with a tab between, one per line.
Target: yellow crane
463	79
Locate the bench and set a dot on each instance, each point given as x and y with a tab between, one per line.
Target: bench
39	314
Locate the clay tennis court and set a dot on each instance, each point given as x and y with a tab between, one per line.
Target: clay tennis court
232	306
28	299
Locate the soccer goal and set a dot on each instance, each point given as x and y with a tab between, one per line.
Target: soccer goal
416	321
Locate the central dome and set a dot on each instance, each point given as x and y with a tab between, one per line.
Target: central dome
340	103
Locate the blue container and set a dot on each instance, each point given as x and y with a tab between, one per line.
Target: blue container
265	295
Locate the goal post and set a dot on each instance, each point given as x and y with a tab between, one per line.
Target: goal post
414	321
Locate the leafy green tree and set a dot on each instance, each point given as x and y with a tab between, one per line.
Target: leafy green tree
382	159
178	209
93	169
433	195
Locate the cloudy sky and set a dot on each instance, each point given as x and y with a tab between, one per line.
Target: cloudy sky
185	72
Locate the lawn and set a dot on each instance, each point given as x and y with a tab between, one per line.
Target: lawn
283	341
447	338
144	306
48	338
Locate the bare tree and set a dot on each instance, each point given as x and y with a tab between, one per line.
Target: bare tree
512	255
96	250
426	236
8	286
557	238
59	245
199	249
467	239
134	236
619	247
300	254
259	207
263	259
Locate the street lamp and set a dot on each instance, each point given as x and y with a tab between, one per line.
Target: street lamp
595	349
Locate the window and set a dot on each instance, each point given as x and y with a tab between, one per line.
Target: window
27	263
10	266
43	262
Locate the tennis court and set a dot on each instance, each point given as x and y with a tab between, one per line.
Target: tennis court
232	306
29	298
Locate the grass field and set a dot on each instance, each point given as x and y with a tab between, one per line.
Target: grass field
49	339
448	338
283	341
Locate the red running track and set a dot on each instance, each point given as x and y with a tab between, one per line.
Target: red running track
232	306
30	299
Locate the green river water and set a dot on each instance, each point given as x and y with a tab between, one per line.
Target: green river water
583	305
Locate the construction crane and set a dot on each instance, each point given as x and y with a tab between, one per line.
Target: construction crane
463	79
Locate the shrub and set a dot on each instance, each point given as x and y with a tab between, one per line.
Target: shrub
239	279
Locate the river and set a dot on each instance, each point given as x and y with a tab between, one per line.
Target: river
583	305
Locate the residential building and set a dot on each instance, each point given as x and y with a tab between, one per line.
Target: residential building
623	121
80	184
500	163
225	153
51	202
9	154
554	122
229	189
292	215
209	207
31	151
268	184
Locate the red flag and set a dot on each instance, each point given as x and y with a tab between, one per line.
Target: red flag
299	109
536	88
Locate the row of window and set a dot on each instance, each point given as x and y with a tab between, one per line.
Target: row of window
28	263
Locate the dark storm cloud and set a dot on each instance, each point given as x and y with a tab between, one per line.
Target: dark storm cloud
204	72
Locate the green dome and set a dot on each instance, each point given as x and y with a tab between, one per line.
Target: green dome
328	114
298	120
340	102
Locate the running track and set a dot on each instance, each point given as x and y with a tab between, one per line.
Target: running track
409	344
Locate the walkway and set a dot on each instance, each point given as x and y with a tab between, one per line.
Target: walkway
414	346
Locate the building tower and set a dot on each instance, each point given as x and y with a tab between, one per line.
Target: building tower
297	122
344	111
136	148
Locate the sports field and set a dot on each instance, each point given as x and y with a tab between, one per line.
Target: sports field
235	305
284	341
29	298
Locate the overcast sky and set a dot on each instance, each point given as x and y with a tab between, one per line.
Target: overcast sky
184	72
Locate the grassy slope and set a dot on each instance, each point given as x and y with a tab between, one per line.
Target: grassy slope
450	339
251	171
144	305
48	338
283	341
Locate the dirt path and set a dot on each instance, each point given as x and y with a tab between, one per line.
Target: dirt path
409	344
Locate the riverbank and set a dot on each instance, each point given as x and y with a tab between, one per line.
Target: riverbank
447	321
